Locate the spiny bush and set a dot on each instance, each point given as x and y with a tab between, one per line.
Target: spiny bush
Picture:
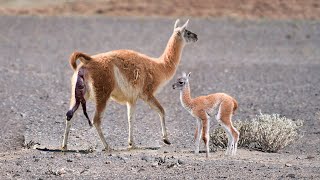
268	133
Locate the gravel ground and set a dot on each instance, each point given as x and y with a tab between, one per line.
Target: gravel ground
268	66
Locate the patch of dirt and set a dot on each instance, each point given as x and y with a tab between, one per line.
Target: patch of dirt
272	66
243	9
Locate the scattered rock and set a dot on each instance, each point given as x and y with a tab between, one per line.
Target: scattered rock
288	165
145	158
171	165
160	160
180	162
121	158
298	157
156	164
291	176
108	162
69	160
61	171
221	177
288	36
310	157
141	169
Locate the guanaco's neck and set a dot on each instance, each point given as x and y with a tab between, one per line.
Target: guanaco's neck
172	54
185	97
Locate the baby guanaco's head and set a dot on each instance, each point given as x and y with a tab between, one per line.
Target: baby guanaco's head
181	82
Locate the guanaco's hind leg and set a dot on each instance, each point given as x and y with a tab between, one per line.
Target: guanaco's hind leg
66	135
100	107
154	104
235	134
224	117
205	134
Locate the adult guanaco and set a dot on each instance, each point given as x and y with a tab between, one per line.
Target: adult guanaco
203	107
124	76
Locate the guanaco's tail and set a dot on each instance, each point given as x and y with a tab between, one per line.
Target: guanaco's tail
84	58
235	105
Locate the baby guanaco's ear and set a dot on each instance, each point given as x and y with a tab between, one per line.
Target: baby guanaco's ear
184	74
189	74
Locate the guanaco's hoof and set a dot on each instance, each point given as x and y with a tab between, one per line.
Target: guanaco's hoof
107	149
166	141
64	148
132	146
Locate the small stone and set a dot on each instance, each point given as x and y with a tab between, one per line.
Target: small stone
298	157
145	158
288	165
69	160
291	176
310	157
77	155
171	165
62	171
180	162
107	162
155	164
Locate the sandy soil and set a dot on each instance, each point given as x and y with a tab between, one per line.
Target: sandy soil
242	9
272	66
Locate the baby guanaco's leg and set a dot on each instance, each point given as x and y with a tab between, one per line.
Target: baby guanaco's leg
205	133
225	112
198	136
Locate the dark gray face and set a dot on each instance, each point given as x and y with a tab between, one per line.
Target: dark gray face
180	83
189	36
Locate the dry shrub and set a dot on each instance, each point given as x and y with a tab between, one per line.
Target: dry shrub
268	133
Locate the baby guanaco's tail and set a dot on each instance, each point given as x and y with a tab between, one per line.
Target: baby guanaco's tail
235	105
84	58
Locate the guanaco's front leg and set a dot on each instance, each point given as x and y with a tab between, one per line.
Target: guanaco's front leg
154	104
131	108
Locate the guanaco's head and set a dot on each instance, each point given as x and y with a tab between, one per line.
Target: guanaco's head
184	34
181	82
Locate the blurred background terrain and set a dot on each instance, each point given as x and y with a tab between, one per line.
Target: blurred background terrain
244	9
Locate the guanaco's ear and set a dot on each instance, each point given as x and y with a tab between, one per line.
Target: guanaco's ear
176	24
189	74
185	25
